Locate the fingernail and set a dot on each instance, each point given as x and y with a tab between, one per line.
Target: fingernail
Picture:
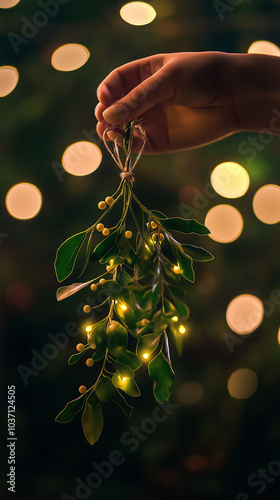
114	135
116	113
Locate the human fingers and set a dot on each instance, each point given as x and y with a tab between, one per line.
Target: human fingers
153	90
124	78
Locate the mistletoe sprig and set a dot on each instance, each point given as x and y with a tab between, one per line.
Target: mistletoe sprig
144	293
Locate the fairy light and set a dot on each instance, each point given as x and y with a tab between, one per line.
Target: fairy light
175	319
145	355
88	328
182	329
123	307
124	379
176	269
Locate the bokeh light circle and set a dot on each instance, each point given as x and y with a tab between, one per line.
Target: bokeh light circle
229	179
266	204
190	393
242	383
138	13
81	158
225	223
70	57
244	314
24	201
264	47
7	4
8	80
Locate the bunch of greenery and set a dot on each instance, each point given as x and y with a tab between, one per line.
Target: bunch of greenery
144	293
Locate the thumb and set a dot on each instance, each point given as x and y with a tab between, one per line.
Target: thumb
157	88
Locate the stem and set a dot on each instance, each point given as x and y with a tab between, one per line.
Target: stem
109	208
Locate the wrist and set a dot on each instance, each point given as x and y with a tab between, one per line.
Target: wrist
255	86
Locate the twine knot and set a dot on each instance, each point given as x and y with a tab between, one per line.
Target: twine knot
128	167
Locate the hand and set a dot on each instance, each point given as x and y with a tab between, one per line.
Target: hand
184	100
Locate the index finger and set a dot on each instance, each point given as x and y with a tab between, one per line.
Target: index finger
124	78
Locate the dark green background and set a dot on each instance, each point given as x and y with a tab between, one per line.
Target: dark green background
46	112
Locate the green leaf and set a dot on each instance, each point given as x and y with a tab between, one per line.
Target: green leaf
71	409
97	334
111	255
128	385
75	357
116	336
197	253
106	391
127	358
66	291
178	339
67	254
163	376
103	248
147	344
183	260
185	226
127	315
127	252
100	351
121	402
185	263
124	370
92	421
182	310
158	214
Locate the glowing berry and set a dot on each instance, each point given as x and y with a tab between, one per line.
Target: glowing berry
102	205
102	281
176	269
109	268
87	309
80	347
106	231
161	237
145	322
109	200
154	236
112	327
128	234
153	225
93	287
82	389
100	227
89	362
